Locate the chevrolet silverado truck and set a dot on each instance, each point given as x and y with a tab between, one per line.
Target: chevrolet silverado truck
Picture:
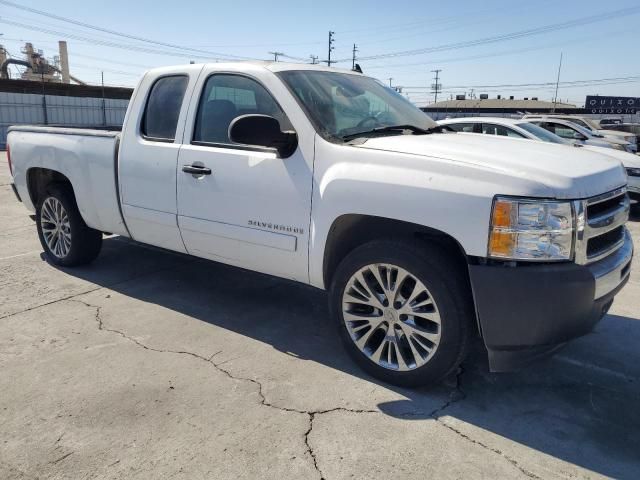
422	238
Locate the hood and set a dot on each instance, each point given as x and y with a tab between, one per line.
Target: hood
629	160
615	133
569	172
612	139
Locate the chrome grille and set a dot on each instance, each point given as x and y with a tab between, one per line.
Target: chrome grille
600	225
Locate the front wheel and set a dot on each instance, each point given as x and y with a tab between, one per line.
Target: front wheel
402	310
67	241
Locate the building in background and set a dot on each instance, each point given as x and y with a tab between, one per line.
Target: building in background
42	93
499	106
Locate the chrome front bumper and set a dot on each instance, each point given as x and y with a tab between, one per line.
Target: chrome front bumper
613	270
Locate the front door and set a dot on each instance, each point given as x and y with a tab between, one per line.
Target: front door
242	205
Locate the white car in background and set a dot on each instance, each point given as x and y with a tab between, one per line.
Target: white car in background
578	134
593	126
509	127
527	129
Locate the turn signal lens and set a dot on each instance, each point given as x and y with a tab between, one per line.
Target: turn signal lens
502	213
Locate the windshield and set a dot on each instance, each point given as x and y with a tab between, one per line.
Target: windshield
542	134
591	123
341	105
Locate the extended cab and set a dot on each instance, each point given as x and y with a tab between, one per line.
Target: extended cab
327	177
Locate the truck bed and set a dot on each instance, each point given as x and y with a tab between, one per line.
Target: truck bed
87	157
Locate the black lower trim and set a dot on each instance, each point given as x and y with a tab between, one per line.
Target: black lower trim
528	312
15	191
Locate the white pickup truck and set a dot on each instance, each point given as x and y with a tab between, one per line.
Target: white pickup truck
423	238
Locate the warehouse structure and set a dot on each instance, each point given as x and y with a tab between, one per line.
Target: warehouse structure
499	106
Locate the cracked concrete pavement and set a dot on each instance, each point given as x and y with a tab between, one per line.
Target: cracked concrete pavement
149	364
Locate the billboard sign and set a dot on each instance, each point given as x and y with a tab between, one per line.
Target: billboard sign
619	105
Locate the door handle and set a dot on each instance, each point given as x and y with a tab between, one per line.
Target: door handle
196	169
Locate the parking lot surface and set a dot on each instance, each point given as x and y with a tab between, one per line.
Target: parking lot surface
149	364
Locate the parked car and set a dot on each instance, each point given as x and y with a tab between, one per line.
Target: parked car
508	127
531	130
606	122
328	177
593	127
574	132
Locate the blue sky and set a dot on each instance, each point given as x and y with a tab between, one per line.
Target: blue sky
251	28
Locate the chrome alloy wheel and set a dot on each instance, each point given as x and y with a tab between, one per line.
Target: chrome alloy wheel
56	228
391	317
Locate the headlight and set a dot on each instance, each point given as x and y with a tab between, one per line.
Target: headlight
633	172
524	229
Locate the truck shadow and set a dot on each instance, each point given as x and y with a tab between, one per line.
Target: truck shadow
582	406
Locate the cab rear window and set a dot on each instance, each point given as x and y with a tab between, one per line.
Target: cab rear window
160	118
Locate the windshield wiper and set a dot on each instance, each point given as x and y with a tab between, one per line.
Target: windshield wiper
392	128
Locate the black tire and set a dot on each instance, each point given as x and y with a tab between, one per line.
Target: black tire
448	287
85	241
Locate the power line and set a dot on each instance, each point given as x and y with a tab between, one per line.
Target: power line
112	32
290	57
554	45
508	36
543	84
112	44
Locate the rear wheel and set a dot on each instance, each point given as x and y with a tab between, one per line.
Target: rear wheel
66	239
403	311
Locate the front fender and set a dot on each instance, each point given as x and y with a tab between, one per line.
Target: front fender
451	197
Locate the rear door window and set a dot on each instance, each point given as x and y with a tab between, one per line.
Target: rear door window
461	127
500	130
160	118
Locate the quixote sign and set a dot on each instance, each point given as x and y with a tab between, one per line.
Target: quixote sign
621	105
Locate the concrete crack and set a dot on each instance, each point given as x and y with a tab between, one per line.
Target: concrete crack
457	395
311	414
512	461
58	460
310	451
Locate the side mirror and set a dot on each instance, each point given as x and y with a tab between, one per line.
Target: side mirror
263	130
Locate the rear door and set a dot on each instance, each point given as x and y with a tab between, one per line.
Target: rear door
249	207
148	155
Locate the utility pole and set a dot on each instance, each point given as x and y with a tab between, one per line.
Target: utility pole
390	78
353	58
331	47
276	55
314	59
104	108
436	87
44	98
555	97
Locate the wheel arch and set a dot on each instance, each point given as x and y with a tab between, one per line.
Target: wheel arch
39	179
349	231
